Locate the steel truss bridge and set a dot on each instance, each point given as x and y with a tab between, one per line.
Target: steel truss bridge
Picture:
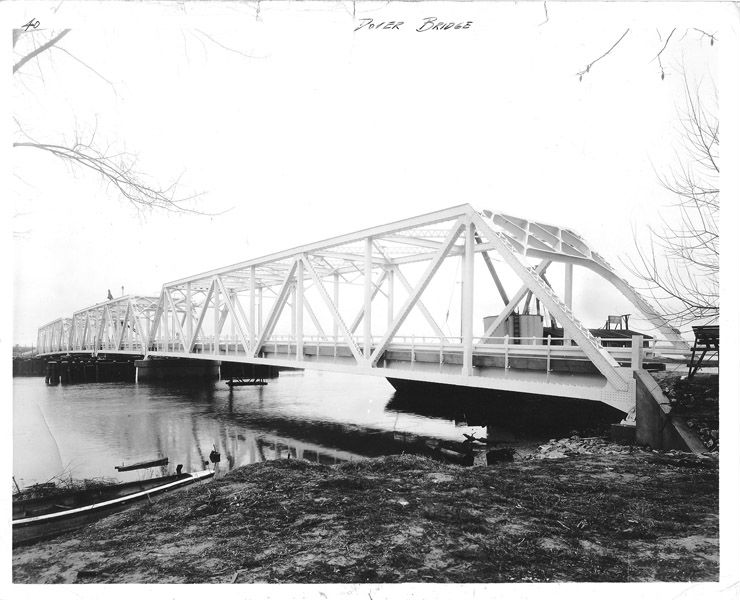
345	304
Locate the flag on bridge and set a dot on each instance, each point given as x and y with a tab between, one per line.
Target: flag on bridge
110	296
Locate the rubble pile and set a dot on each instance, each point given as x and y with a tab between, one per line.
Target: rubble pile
697	401
575	445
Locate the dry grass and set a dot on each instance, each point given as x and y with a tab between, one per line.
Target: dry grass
639	517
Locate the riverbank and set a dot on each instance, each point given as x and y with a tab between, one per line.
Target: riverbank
631	515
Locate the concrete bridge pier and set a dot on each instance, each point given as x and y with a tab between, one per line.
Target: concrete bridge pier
177	369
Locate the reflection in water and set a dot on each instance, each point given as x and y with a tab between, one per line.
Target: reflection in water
322	417
326	418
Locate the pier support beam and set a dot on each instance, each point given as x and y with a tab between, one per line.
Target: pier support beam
154	369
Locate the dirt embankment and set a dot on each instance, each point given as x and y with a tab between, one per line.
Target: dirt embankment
638	516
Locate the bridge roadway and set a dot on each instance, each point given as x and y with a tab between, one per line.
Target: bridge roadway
533	366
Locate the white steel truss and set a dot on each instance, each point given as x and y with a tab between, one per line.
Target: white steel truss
254	311
120	325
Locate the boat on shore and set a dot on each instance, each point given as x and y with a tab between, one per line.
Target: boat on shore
144	464
40	518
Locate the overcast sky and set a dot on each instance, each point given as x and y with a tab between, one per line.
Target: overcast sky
301	128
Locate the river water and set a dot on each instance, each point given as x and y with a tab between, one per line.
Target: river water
84	430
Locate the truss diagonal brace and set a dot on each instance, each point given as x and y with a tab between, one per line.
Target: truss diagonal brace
126	323
314	319
277	308
234	316
601	359
492	271
201	317
361	312
335	313
416	294
174	310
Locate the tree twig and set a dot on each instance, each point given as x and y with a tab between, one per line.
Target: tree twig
660	63
547	17
84	64
711	36
591	64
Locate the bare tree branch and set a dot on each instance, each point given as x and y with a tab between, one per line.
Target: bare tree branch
680	267
119	171
40	49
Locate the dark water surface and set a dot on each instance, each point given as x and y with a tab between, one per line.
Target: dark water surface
84	430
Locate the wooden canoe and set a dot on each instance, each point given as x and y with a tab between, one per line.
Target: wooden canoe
42	518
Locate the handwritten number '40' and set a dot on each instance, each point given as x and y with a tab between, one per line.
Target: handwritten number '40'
32	23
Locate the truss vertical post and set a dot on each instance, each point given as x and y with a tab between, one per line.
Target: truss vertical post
188	311
389	277
467	299
216	304
292	310
336	304
368	321
299	311
232	329
568	295
361	312
166	327
173	323
260	299
252	289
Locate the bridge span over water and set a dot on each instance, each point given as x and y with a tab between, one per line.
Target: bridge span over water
360	303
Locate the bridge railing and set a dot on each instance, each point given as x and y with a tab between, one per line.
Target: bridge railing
546	349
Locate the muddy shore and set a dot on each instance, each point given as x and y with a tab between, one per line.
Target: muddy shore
626	515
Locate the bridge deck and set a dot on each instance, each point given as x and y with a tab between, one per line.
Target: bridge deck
561	371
